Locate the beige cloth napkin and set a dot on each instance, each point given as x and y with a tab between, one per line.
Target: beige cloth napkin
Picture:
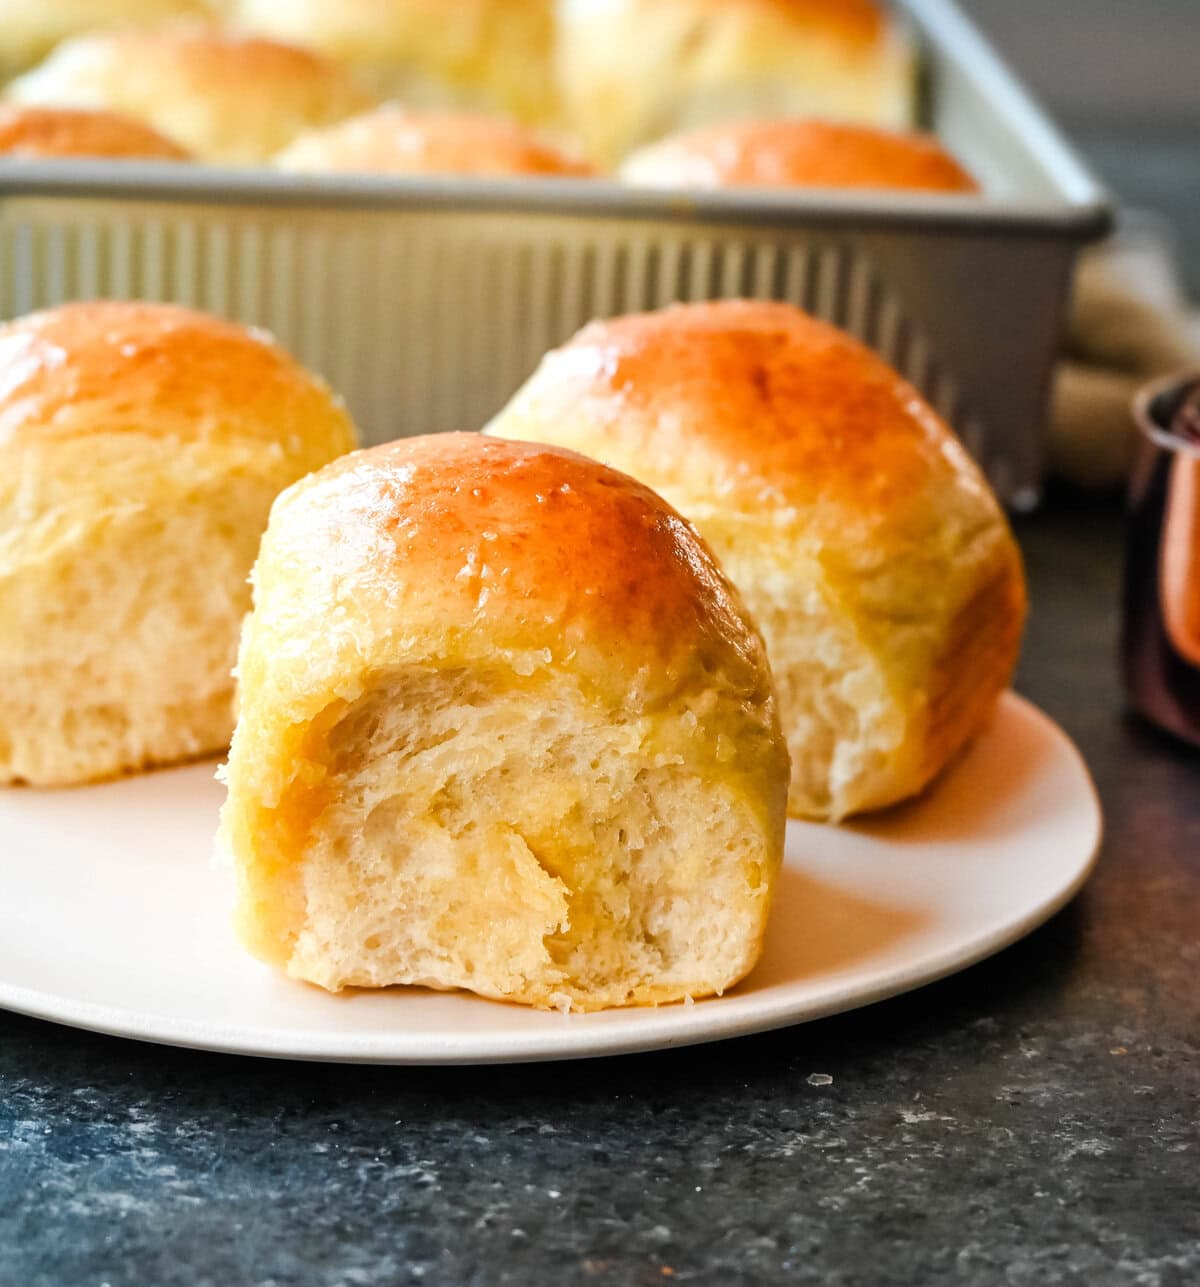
1128	323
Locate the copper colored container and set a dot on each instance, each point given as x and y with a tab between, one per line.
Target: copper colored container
1161	643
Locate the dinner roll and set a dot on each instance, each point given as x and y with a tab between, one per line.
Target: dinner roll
492	55
29	29
794	153
504	726
391	140
867	545
629	71
230	99
45	132
140	449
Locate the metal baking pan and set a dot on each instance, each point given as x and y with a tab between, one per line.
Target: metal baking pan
425	302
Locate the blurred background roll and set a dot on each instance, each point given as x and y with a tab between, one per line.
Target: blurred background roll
230	99
785	153
45	132
629	71
492	55
29	29
393	140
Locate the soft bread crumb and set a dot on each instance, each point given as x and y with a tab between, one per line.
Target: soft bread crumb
135	634
508	838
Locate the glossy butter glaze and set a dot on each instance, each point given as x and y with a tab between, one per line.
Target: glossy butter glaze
761	406
468	539
157	371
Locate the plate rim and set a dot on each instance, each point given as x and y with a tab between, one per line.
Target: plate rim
694	1026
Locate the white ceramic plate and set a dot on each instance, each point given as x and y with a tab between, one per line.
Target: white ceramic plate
113	917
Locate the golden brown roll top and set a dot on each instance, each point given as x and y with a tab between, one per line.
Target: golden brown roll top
499	551
505	726
866	543
141	447
489	55
392	140
46	132
766	409
784	153
133	371
230	99
629	71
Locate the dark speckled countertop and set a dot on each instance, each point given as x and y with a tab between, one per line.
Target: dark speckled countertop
1035	1120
